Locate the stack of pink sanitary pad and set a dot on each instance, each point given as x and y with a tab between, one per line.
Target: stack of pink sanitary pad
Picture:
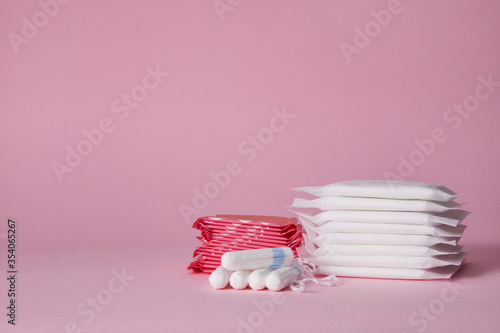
225	233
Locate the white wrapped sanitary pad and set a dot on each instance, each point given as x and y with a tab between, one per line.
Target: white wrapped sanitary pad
451	218
381	239
383	189
386	228
355	203
380	228
387	250
419	262
444	272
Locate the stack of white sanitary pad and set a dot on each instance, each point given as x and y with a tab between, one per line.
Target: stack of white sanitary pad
384	229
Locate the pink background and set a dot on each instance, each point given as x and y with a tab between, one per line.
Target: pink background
353	120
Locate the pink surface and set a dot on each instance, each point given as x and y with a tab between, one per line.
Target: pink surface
259	97
161	296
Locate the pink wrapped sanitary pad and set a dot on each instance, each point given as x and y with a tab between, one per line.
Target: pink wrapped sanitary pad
226	233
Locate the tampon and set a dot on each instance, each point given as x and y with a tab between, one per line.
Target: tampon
219	278
239	279
259	258
283	277
257	279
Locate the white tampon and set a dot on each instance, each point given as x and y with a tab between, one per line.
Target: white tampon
283	277
259	258
239	279
257	279
219	278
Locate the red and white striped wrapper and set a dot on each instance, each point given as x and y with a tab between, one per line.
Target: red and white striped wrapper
225	233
